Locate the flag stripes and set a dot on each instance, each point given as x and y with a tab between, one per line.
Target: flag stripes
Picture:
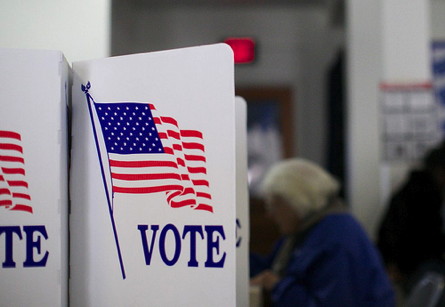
14	194
149	153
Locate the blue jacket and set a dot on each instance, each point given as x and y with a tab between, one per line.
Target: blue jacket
335	264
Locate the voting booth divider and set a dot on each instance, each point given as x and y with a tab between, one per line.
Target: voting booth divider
33	178
155	212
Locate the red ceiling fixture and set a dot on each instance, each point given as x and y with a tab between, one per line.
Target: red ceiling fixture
243	49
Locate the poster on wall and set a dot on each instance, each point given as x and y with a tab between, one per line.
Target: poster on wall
438	58
33	178
153	198
410	121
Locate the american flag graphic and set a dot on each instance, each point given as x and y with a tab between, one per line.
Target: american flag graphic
14	193
149	153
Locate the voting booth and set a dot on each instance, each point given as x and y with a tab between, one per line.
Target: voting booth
153	180
33	178
242	206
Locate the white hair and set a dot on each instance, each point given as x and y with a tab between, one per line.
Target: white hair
303	184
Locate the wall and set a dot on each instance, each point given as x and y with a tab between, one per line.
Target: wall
438	19
388	41
80	29
295	45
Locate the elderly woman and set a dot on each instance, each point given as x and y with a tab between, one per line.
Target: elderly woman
325	258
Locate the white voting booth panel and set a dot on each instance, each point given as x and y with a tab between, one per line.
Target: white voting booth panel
242	206
153	199
33	178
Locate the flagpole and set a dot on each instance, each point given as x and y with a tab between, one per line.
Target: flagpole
85	89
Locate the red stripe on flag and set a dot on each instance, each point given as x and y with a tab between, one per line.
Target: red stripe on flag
5	202
169	120
18	183
186	191
182	203
169	151
12	159
145	176
197	170
200	182
174	134
11	147
177	147
164	188
19	207
193	145
204	195
13	171
136	164
191	133
10	134
21	195
5	192
195	158
185	177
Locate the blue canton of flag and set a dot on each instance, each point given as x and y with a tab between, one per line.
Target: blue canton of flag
129	128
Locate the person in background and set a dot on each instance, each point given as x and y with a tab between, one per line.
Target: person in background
325	257
411	232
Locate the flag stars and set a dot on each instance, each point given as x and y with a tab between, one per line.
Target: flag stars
129	127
